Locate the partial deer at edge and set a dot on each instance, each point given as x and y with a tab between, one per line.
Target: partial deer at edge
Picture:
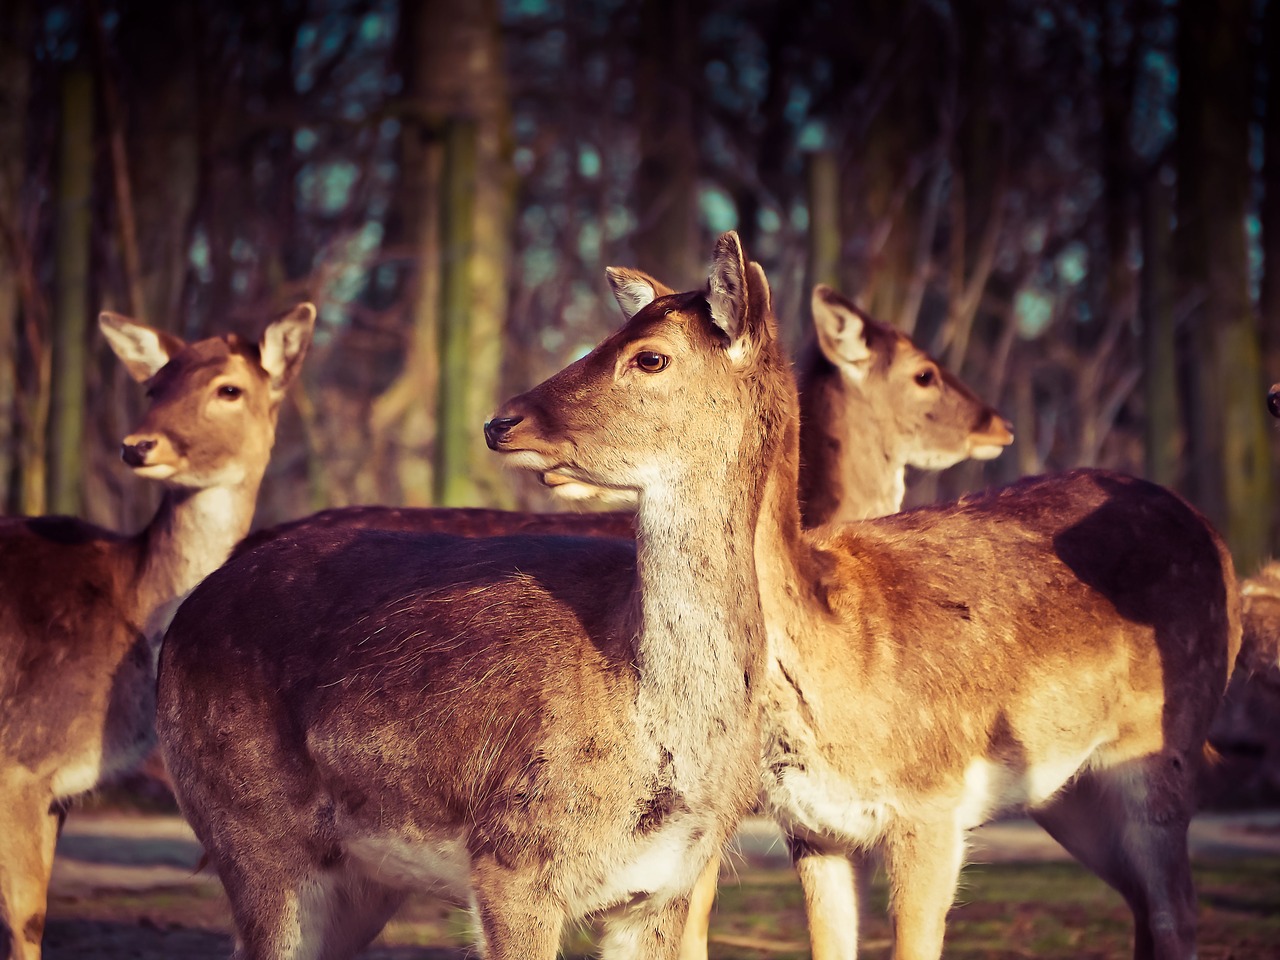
546	727
83	609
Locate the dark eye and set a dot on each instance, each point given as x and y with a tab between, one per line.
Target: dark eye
229	392
926	377
651	362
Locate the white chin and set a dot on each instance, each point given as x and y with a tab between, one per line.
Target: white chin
155	471
527	460
571	491
986	452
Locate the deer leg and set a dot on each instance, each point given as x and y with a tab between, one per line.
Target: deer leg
697	928
922	860
830	899
648	929
28	834
517	919
1129	826
290	908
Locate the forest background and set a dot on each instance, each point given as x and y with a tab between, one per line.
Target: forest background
1075	204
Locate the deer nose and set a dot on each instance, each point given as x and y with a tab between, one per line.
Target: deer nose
496	430
1273	400
135	453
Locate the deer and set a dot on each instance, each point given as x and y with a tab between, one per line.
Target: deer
544	728
83	609
1273	400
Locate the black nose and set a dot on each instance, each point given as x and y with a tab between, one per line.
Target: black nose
135	454
1273	400
496	430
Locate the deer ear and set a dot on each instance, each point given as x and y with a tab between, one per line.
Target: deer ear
284	343
634	289
841	327
727	287
140	348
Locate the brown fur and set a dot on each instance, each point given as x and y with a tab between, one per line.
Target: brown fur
82	609
554	707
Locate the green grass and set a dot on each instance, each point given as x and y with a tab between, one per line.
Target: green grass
1004	911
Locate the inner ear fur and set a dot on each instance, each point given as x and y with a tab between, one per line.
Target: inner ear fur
284	345
843	331
634	289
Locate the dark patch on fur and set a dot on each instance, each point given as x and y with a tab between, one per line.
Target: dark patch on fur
656	808
33	929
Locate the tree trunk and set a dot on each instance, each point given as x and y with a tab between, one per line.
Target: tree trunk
455	431
15	44
454	80
1228	441
71	293
1160	369
823	262
666	184
1269	296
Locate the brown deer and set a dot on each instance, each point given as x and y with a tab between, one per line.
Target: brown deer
546	727
83	609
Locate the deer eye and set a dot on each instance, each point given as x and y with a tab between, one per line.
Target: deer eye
926	377
651	362
229	392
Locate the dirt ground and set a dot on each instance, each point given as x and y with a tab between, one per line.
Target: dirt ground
125	887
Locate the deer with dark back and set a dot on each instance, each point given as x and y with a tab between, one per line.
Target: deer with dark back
548	728
83	609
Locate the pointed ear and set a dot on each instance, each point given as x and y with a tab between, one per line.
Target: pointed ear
634	289
727	286
843	330
284	343
141	349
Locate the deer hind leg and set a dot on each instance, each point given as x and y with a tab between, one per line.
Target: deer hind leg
289	908
697	928
517	918
29	826
830	899
1128	825
648	929
922	860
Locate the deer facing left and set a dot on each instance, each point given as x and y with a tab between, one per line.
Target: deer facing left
83	609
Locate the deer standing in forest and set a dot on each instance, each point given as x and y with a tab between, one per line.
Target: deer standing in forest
547	728
83	609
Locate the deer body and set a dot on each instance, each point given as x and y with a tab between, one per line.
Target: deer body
553	727
83	609
1059	645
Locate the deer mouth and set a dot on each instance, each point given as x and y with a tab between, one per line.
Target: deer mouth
990	444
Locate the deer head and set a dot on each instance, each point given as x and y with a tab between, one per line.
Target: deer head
213	404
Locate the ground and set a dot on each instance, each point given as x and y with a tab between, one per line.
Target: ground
125	886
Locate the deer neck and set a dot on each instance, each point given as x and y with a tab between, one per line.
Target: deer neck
851	467
190	536
791	567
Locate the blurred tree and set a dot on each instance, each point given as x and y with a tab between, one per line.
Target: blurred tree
15	45
666	184
71	290
1228	443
